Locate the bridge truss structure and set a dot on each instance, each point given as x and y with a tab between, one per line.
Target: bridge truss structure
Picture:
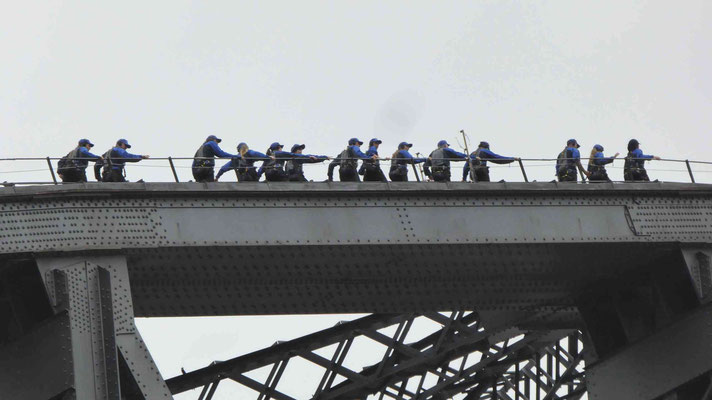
531	291
461	359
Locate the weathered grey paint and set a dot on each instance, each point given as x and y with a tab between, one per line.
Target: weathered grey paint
231	249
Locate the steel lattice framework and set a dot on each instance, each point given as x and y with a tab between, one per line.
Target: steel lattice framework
460	360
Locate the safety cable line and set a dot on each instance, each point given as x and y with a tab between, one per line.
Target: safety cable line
279	164
316	165
407	160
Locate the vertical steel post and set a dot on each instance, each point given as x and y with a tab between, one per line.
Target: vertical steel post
524	173
420	168
415	171
689	170
527	388
558	360
550	369
516	382
573	348
173	168
537	357
54	178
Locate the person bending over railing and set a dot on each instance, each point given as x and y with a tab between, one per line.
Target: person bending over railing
244	164
274	167
479	159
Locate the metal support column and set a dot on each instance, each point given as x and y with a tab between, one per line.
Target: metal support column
95	294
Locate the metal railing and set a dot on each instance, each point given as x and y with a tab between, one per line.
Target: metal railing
691	167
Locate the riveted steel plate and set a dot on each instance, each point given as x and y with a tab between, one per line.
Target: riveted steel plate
375	278
82	273
212	249
106	218
686	219
74	225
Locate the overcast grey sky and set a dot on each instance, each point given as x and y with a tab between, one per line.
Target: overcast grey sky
524	75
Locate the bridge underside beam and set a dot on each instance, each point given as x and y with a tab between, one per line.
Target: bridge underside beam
658	364
381	278
229	249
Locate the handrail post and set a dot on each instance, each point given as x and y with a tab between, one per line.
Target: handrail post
173	169
415	171
692	177
51	170
524	173
420	168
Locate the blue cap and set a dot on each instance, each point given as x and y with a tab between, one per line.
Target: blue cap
355	141
123	141
297	147
213	137
241	145
374	140
573	142
404	144
484	145
598	147
84	142
275	146
443	143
